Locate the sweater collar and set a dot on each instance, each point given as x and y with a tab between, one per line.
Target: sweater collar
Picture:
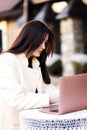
23	59
35	63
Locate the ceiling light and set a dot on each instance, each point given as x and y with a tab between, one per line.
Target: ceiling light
39	1
84	1
57	7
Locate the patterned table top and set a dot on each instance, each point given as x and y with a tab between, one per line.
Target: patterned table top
36	120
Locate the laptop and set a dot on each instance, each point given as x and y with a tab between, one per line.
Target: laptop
72	97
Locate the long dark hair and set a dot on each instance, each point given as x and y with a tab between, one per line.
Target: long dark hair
30	38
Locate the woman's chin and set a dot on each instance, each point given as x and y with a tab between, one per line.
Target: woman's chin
38	55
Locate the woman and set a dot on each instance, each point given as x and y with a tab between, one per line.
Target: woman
24	80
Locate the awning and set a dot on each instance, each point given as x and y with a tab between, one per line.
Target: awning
10	9
6	5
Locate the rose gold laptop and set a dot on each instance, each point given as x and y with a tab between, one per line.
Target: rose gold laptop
73	95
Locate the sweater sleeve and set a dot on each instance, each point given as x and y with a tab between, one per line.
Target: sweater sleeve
50	89
13	93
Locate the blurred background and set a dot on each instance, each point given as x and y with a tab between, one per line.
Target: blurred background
66	18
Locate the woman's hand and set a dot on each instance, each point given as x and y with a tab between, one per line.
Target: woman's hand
54	98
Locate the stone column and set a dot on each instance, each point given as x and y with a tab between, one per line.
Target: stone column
71	42
84	28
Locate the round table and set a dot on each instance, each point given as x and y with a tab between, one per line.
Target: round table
36	120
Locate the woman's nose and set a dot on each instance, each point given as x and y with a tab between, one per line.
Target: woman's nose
43	45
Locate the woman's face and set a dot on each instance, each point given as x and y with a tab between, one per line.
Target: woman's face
39	50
